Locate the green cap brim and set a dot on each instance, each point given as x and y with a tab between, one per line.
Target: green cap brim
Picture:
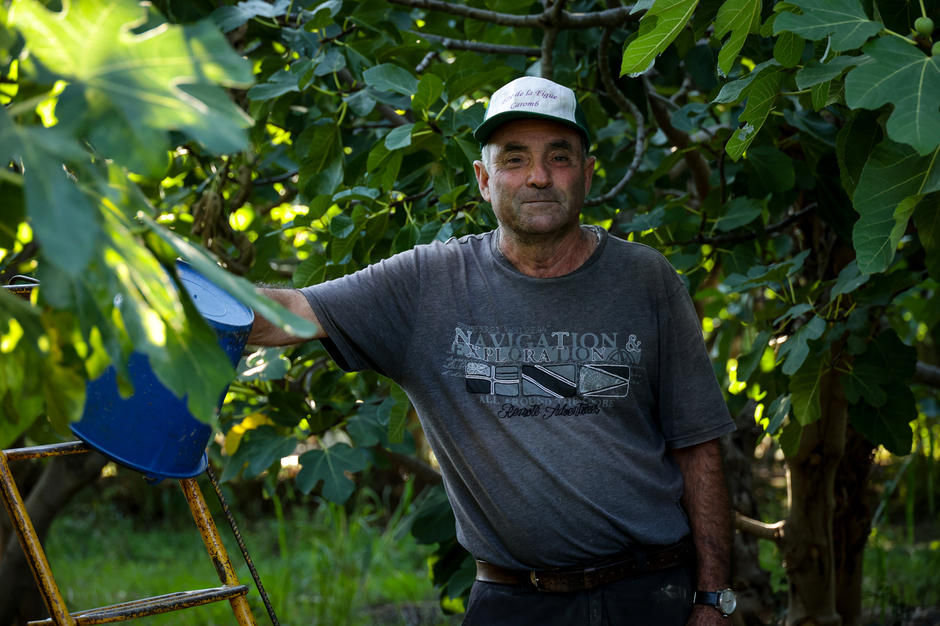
487	128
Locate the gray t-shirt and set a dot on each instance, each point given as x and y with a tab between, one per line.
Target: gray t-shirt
551	404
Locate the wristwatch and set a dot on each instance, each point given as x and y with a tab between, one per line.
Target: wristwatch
722	600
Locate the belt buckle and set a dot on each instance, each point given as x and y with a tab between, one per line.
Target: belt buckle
534	579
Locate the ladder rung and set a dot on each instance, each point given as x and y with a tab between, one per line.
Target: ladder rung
52	449
153	606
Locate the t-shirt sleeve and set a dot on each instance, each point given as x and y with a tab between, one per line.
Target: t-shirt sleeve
692	409
370	315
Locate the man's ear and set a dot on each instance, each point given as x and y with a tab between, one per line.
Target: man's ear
588	174
483	179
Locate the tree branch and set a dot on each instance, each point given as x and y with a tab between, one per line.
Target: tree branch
386	111
701	172
927	375
770	532
610	17
718	240
429	58
628	108
416	466
416	196
502	19
475	46
280	178
551	24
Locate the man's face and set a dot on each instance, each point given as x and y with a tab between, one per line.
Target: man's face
536	178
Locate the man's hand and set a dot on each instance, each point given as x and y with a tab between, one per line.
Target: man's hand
707	616
264	333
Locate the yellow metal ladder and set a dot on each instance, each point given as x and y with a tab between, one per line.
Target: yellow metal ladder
230	590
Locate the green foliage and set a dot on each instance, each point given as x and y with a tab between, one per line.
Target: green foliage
136	86
330	465
658	27
844	20
900	74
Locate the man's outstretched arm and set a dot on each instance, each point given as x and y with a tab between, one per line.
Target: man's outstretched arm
264	333
706	502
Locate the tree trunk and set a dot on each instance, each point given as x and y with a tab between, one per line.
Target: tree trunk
852	524
808	547
61	479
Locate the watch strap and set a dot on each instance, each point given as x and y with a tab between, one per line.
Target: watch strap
708	598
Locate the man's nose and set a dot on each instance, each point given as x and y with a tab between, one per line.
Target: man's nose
539	176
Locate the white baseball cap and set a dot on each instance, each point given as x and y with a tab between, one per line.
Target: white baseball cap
533	97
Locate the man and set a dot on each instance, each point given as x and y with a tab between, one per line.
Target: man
562	382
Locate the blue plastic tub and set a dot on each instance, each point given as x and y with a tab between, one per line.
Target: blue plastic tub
152	431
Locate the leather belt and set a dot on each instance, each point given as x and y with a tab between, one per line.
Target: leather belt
581	578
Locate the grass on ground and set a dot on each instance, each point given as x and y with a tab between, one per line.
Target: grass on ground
332	569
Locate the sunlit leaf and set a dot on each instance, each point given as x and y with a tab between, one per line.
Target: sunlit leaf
237	287
163	79
62	217
400	137
735	90
658	28
389	77
740	18
430	89
760	101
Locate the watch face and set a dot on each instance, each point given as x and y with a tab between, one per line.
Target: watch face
726	601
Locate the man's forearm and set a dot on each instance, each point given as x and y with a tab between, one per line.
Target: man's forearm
706	502
264	333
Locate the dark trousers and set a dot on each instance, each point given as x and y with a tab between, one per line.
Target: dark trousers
662	598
